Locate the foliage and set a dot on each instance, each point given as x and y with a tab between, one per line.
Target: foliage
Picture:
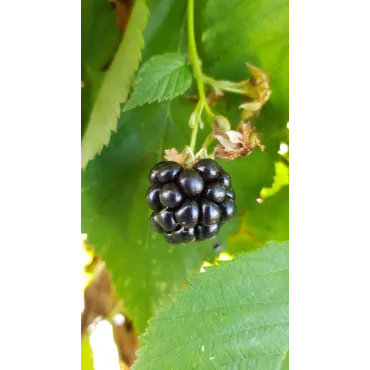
163	77
190	71
114	87
232	316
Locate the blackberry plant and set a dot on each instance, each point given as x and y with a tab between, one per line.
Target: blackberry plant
190	204
187	92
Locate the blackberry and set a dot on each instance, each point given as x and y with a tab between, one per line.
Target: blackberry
166	220
152	197
187	214
210	213
206	232
153	173
191	182
170	196
228	209
190	204
224	179
216	192
208	168
167	172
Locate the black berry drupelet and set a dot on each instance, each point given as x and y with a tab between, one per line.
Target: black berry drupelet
190	204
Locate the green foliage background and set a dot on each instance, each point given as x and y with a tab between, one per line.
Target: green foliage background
121	142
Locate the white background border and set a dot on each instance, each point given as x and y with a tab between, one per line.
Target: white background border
40	196
329	156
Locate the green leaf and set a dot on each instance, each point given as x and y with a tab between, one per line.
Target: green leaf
249	175
87	359
100	34
233	316
163	77
254	31
285	364
166	28
281	178
267	221
270	219
115	87
89	93
145	268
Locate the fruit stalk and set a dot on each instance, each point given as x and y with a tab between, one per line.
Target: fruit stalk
194	59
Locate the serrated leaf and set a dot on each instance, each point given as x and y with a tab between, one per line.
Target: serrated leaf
163	77
234	316
87	360
111	182
285	364
115	87
145	268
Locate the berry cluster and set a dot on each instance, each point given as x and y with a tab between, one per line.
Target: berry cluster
190	203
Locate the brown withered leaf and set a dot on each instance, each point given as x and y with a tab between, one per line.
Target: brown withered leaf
233	144
186	158
173	155
99	297
214	96
257	90
127	342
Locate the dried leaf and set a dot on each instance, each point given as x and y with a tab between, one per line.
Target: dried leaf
127	342
100	298
173	155
214	96
257	90
233	144
186	158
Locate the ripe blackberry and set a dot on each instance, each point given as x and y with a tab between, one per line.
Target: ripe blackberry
190	204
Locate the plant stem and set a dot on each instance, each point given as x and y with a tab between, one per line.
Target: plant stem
193	54
234	87
208	110
194	59
193	139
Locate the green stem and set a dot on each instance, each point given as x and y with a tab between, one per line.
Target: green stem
193	138
232	90
234	87
193	53
194	59
208	110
